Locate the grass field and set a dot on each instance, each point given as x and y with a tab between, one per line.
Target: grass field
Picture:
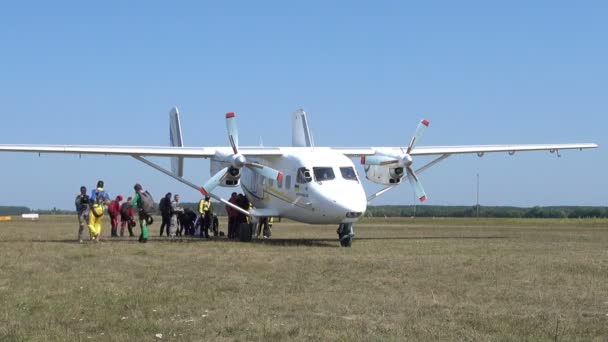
403	279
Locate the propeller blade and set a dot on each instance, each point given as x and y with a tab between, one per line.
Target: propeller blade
213	182
378	159
413	179
233	132
418	134
265	171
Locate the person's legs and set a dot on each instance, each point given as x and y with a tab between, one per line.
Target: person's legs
82	223
144	230
114	223
122	227
207	223
91	226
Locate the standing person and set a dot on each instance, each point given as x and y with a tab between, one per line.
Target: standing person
114	212
244	204
232	216
99	198
82	208
204	209
175	210
126	217
145	204
215	225
165	211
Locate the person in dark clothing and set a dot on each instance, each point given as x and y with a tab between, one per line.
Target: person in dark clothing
243	203
165	211
232	216
82	208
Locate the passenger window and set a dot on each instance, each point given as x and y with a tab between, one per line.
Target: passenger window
303	176
270	182
323	173
288	182
348	173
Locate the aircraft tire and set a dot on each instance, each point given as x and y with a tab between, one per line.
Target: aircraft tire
245	232
346	241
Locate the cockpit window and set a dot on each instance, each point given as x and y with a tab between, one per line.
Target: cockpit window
303	176
348	173
323	173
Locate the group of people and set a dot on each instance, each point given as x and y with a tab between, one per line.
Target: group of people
237	217
176	220
90	210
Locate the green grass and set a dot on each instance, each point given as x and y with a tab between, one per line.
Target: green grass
403	279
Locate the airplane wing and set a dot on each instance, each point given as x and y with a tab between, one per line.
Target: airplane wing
479	149
151	151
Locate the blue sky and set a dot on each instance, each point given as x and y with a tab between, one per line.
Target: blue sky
366	72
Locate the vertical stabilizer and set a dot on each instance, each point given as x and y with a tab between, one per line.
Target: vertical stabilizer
176	140
301	135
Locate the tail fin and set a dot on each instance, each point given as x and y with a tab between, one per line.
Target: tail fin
176	140
301	135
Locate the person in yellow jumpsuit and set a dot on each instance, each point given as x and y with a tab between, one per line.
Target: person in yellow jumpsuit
99	199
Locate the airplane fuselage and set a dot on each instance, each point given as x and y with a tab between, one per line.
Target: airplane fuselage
318	187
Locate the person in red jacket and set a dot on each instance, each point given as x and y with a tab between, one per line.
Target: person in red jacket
114	211
127	218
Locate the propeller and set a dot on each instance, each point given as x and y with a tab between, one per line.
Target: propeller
405	160
237	160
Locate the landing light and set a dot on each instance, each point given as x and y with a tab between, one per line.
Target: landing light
353	214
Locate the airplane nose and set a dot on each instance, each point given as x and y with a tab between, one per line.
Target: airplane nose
351	206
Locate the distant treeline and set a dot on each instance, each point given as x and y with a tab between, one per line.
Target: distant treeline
405	211
473	211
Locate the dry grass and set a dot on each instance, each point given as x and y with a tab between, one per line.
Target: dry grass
403	279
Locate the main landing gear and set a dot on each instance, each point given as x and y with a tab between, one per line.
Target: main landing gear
346	234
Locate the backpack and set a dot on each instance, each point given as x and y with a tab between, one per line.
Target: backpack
147	203
124	211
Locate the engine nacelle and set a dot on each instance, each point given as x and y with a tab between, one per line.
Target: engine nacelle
383	174
233	177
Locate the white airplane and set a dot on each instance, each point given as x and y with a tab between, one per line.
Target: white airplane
305	183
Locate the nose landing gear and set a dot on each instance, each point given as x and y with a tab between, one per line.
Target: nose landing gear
346	234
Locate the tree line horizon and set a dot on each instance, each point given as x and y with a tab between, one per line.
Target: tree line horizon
403	211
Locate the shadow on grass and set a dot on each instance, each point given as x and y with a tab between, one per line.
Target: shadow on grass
286	242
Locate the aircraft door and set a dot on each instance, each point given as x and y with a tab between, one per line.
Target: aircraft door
303	177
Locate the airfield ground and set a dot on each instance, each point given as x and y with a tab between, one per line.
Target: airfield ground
403	279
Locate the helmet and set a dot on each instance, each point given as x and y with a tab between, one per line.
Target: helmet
149	220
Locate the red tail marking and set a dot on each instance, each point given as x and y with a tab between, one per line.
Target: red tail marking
423	198
229	115
203	191
363	160
425	122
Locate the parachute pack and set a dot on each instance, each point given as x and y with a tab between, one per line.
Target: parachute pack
147	203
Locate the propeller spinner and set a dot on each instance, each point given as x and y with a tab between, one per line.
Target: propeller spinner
405	160
237	160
